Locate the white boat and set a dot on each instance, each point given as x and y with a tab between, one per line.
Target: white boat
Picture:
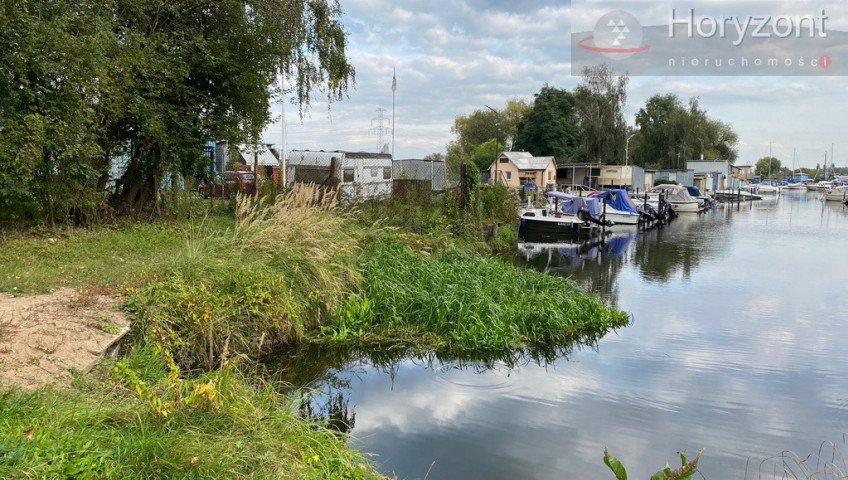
678	197
736	195
563	214
765	187
838	194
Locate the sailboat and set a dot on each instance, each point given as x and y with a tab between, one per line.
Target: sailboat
795	183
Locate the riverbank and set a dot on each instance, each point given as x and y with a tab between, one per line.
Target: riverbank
210	294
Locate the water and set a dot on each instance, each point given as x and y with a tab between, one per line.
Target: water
738	346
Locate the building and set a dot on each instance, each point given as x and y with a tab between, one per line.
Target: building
514	169
358	175
678	176
597	176
711	175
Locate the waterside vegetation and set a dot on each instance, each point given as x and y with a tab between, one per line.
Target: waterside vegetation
210	292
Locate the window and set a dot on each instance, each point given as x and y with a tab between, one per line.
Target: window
373	172
387	172
550	178
347	175
504	160
509	175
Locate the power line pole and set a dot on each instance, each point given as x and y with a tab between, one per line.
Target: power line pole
379	128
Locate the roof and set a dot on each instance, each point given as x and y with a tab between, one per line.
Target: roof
526	161
264	157
365	154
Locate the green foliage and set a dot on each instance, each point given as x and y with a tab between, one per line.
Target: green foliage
248	431
664	181
671	133
767	166
460	301
551	126
483	134
599	101
685	472
121	253
84	83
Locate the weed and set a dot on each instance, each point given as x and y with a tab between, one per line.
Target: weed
47	347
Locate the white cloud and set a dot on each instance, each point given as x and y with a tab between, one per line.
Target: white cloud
452	57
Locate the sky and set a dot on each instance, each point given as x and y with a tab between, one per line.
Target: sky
451	57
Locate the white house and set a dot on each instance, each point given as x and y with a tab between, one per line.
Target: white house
357	175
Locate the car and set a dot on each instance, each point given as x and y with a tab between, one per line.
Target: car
228	184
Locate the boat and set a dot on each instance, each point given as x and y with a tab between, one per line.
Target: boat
621	209
678	197
764	187
838	194
563	214
706	202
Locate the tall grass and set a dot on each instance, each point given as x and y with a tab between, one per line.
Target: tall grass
281	270
458	300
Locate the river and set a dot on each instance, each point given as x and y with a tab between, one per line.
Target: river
737	346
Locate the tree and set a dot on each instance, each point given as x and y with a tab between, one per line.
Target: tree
599	103
483	134
192	70
550	128
767	166
85	82
51	62
671	133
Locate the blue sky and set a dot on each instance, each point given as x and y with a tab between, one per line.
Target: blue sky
452	57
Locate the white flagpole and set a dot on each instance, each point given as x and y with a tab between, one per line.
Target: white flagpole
394	89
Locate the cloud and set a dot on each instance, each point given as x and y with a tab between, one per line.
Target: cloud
453	57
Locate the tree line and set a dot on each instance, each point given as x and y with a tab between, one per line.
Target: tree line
587	125
83	82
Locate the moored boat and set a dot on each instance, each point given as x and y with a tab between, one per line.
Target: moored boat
563	214
838	194
678	197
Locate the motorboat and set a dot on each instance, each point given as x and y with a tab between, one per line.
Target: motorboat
563	214
838	194
620	208
706	202
764	187
678	197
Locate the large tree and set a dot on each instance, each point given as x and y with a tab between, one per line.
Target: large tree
599	102
550	128
670	133
192	70
767	166
84	82
483	134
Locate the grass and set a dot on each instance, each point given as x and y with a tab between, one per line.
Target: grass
113	255
105	430
212	292
456	300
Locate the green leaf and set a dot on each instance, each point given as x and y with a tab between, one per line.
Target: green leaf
614	465
663	474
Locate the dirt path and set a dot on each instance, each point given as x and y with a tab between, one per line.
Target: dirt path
44	337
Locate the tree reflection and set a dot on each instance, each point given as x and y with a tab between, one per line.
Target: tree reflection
320	375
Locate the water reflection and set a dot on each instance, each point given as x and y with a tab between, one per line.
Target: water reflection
737	345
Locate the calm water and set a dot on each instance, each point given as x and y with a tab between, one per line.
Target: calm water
739	344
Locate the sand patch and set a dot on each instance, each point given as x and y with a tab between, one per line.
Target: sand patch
44	337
